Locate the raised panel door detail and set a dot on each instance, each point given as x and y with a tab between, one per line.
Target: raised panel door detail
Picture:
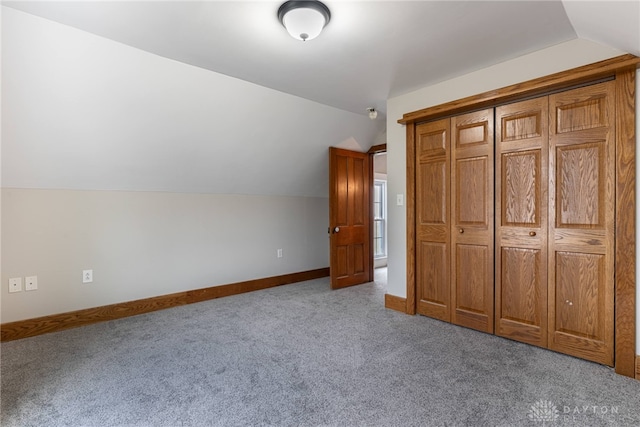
522	126
475	133
579	288
350	260
341	207
356	186
587	114
433	198
521	188
358	259
521	285
471	278
341	267
432	142
434	287
471	191
580	185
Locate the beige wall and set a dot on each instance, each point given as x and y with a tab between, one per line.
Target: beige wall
2	284
144	244
91	116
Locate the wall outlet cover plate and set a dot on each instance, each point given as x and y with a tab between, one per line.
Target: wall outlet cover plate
15	284
31	283
87	276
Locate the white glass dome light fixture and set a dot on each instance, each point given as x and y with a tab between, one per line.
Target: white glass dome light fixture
304	20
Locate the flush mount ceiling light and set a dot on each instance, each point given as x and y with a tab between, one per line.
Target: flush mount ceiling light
372	113
304	20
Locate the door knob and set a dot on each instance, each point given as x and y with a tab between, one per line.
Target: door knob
461	230
532	233
336	230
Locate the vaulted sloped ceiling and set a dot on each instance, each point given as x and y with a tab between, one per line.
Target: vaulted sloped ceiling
611	23
214	96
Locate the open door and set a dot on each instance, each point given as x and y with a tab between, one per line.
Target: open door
349	217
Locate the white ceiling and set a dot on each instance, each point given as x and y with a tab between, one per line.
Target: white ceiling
105	100
370	51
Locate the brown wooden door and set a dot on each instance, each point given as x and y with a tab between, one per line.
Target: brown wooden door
472	233
521	212
433	219
349	217
581	238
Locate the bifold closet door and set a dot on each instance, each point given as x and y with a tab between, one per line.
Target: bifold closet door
433	291
581	239
472	231
521	208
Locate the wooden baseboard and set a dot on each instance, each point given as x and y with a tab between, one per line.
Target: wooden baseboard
58	322
395	303
638	367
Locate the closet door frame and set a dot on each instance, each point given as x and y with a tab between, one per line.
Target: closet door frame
622	70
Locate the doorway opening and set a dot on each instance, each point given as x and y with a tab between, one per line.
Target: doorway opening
379	201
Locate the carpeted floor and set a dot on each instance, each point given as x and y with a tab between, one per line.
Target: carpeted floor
301	355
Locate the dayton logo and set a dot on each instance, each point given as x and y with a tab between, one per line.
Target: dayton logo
543	411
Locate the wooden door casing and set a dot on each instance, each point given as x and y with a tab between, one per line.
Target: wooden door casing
349	222
472	222
433	219
521	212
581	222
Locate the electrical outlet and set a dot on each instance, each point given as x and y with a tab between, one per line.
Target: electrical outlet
279	253
31	283
87	276
15	284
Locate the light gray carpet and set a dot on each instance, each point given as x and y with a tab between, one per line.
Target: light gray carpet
301	355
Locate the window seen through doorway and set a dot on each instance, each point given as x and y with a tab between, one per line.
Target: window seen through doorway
379	219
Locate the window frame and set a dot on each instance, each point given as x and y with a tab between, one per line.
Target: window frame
382	184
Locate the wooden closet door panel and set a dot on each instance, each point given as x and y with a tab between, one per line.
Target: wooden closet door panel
432	217
582	203
472	220
521	207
